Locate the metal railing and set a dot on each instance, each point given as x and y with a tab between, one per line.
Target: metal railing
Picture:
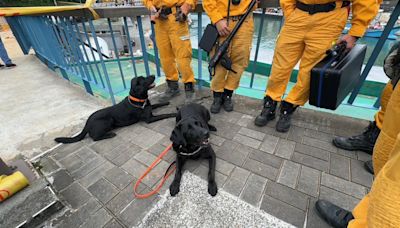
72	43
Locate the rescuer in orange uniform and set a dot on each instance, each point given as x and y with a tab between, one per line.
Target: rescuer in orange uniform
225	82
310	28
173	42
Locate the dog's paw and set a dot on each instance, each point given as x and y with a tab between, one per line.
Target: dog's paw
174	188
212	188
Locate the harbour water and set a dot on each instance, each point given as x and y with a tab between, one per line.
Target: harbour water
270	32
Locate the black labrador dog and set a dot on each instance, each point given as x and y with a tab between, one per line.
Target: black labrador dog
190	141
134	108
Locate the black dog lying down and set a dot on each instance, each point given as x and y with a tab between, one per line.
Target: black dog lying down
131	110
190	141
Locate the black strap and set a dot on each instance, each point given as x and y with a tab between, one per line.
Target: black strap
319	8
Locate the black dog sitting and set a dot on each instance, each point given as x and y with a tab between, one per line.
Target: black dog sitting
134	108
190	141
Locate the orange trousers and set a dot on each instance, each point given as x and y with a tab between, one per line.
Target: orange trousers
239	53
385	96
173	42
306	38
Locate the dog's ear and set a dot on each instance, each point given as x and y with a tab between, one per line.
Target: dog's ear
177	136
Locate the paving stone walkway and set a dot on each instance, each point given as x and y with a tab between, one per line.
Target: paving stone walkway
282	174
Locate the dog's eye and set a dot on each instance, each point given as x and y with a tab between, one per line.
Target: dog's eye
197	123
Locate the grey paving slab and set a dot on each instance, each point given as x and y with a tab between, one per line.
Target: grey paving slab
342	200
147	138
328	146
88	167
86	154
75	195
133	214
233	152
362	156
359	175
96	174
304	124
123	198
145	157
254	189
245	120
261	169
319	135
222	166
74	218
309	181
296	134
99	219
71	163
269	144
312	151
48	165
347	153
113	224
340	166
288	195
247	141
216	140
157	149
289	173
61	179
103	190
285	149
283	211
343	186
266	158
310	161
202	171
136	169
236	181
225	129
66	150
252	133
118	177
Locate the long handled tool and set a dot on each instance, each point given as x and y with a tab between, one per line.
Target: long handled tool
221	55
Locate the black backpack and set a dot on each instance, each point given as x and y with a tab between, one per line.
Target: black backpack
391	64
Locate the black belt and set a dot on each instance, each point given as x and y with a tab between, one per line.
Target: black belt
166	11
319	8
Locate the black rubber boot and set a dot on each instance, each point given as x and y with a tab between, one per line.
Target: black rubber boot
189	92
171	91
268	113
10	65
227	100
364	142
217	103
335	216
285	118
369	167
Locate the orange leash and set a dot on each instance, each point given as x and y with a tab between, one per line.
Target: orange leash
168	173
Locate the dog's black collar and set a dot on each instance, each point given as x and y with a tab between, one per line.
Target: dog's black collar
138	106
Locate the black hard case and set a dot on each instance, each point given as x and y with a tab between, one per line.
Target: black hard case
329	84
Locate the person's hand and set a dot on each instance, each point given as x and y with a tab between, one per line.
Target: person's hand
350	40
186	8
153	14
222	27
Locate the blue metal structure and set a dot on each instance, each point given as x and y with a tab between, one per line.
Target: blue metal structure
72	46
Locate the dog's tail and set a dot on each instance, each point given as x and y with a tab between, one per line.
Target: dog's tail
72	139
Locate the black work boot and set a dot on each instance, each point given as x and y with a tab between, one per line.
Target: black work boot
217	103
369	167
364	142
268	112
171	91
335	216
227	100
286	111
189	92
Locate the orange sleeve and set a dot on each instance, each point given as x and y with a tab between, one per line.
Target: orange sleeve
211	8
363	13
